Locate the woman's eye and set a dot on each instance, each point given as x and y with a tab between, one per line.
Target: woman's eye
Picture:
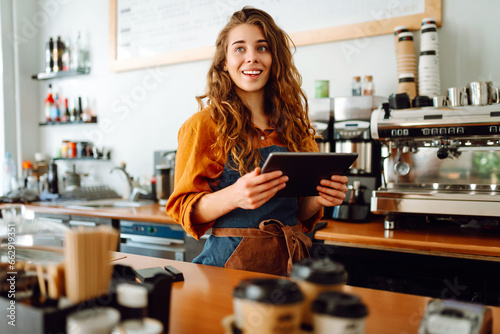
262	48
240	49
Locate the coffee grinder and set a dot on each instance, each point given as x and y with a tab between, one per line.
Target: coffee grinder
351	134
164	163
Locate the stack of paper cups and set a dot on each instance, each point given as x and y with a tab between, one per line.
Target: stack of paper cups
406	60
406	84
429	83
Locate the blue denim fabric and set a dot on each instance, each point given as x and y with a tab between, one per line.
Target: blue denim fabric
217	250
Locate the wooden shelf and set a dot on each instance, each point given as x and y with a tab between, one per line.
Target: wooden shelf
60	74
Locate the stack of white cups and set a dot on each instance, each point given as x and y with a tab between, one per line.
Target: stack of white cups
429	83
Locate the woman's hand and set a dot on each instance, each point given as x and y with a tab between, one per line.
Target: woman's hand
249	192
254	189
332	192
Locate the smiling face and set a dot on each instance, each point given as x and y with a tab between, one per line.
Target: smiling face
248	59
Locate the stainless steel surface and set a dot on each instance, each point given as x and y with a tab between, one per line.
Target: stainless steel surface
436	203
167	241
440	161
479	93
457	96
363	163
353	136
465	126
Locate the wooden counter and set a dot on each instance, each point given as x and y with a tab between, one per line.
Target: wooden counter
149	213
200	303
451	241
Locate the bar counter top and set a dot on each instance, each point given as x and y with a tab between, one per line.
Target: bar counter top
204	299
451	241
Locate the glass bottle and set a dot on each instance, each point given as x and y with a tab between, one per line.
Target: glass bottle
368	87
49	62
356	86
9	174
67	114
49	106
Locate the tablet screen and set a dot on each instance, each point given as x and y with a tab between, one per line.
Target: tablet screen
305	170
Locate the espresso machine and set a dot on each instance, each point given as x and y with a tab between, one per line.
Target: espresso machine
351	134
440	164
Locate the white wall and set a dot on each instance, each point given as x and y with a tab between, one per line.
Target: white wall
134	126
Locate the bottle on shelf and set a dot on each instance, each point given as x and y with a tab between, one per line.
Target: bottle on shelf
79	55
49	61
9	174
368	87
356	86
50	106
67	115
57	54
74	111
80	109
57	103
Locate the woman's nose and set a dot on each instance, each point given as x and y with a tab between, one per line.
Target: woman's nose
252	56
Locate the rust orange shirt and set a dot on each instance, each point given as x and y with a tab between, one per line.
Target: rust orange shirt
197	167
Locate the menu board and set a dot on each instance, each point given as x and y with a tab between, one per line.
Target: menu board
158	32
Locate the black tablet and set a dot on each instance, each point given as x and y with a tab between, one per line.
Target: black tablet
305	170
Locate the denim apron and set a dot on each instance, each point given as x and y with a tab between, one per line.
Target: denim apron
265	221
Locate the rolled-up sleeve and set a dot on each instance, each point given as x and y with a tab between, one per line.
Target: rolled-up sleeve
195	165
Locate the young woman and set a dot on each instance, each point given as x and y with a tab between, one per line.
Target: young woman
254	106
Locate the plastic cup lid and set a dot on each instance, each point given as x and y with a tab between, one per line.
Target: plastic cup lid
265	290
323	271
339	304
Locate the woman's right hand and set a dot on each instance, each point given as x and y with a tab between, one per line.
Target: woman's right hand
254	189
249	192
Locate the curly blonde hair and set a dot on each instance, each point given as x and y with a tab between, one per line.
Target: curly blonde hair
285	101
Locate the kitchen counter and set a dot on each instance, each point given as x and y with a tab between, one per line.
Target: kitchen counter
431	240
204	299
154	213
448	241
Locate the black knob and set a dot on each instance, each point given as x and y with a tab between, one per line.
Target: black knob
387	111
442	153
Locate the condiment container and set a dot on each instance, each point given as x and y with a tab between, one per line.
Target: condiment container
96	320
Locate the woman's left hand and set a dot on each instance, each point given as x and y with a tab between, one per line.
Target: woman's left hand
332	192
